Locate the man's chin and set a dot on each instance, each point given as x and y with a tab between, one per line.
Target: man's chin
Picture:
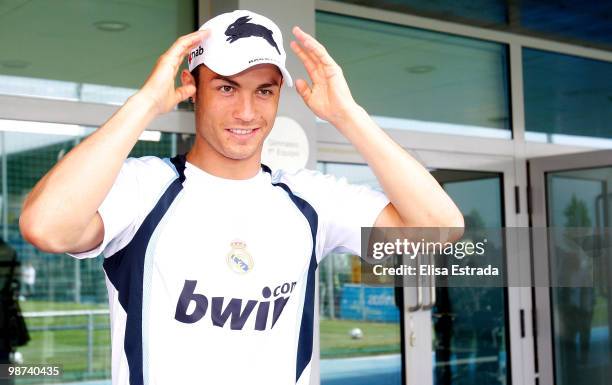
239	155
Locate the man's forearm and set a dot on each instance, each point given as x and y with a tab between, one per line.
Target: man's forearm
65	200
416	195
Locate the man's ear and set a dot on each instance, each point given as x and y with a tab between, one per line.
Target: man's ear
188	79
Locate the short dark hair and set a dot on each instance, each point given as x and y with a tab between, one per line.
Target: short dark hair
196	74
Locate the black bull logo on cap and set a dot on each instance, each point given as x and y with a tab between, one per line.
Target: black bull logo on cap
241	28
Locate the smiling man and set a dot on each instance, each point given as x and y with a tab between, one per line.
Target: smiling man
210	257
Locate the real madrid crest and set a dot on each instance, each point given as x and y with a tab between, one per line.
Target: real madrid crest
239	259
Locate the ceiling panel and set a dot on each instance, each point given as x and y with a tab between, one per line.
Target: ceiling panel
59	40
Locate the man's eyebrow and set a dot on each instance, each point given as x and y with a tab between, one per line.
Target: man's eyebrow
226	79
271	83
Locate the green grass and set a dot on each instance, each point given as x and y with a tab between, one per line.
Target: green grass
600	312
378	338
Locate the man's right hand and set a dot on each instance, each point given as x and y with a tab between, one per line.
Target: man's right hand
159	86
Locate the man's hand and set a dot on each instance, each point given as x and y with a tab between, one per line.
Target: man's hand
159	86
329	96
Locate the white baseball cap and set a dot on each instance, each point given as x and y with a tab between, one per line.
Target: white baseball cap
239	40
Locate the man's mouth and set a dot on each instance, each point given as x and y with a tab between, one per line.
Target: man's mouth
243	132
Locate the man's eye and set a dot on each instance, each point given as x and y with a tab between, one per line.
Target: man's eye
226	89
265	92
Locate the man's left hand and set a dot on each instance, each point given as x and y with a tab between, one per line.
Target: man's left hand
329	96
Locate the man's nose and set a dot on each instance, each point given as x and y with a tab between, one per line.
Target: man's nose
245	110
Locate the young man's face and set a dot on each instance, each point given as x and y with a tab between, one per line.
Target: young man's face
235	114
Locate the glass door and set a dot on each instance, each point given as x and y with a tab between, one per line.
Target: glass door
469	323
573	193
440	336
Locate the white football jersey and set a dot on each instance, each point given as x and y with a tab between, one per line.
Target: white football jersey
212	280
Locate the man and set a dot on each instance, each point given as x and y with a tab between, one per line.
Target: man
28	278
13	330
210	258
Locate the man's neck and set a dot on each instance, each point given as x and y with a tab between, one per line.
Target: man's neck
218	165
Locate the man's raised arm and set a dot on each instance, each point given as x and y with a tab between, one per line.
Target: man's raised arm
417	200
60	213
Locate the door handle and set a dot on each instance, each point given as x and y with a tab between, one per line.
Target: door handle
432	288
419	300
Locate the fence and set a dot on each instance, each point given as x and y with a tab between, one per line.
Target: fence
72	369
